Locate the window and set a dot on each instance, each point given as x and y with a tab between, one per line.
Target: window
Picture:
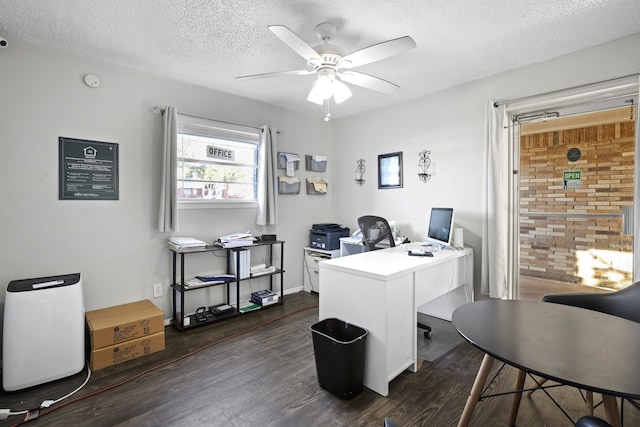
217	162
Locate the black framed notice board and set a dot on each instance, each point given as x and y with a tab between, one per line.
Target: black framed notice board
88	170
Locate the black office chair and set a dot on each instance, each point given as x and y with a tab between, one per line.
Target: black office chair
588	421
624	303
375	229
388	422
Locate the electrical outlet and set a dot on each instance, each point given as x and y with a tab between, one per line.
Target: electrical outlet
157	290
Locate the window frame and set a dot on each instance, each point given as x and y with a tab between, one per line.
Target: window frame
221	131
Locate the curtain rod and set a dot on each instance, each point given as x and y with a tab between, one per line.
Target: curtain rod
159	110
498	103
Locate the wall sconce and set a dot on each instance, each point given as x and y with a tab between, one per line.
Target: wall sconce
423	166
360	172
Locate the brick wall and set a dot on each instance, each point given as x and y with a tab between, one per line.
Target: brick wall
560	226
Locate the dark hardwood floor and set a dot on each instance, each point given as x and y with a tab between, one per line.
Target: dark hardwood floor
259	369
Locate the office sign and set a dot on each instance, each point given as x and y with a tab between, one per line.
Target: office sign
222	153
571	180
88	170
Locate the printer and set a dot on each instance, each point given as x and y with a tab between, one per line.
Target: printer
327	236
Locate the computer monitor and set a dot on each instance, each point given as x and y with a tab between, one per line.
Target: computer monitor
440	227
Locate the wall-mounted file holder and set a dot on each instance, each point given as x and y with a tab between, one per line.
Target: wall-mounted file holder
282	160
315	163
288	185
316	186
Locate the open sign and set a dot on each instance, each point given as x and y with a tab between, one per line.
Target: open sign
571	180
220	153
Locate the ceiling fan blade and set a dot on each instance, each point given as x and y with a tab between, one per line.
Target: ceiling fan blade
367	81
377	52
292	40
277	74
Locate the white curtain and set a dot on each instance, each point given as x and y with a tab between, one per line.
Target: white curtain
168	210
495	228
267	187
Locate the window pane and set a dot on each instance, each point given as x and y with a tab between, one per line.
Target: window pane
212	167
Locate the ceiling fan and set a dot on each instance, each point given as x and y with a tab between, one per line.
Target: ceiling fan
333	66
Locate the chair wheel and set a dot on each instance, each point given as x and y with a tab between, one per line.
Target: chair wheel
428	334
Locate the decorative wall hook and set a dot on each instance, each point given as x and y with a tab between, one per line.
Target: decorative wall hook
360	172
423	165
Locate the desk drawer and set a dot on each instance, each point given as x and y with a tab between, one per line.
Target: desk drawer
311	259
311	279
311	271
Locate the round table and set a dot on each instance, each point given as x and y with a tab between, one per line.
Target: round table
570	345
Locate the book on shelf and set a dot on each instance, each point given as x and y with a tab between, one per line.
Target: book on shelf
264	297
247	306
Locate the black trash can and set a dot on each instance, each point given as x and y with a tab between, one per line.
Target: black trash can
339	349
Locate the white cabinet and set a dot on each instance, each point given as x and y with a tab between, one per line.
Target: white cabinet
310	270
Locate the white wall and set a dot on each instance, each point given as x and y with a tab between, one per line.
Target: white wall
450	124
115	244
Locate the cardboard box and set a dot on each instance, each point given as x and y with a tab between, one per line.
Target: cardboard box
127	350
113	325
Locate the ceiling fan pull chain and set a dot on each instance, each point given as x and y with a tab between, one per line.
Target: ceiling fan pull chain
327	111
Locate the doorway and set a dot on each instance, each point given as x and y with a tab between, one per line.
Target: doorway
575	191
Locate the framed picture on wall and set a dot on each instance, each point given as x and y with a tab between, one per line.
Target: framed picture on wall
88	170
390	170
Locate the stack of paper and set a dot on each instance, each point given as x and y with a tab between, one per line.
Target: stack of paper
236	240
260	269
186	243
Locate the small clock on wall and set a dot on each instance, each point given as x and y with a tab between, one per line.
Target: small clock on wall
573	155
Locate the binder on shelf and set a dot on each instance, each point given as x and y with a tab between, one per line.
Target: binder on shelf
245	270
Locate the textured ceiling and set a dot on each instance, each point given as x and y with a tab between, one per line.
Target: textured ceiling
209	43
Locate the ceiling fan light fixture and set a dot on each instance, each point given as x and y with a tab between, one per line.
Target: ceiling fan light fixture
341	91
316	94
321	89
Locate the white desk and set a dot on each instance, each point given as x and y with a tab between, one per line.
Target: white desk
381	291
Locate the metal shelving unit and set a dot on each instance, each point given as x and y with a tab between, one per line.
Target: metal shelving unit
181	320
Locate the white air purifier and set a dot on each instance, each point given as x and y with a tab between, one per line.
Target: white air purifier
43	332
